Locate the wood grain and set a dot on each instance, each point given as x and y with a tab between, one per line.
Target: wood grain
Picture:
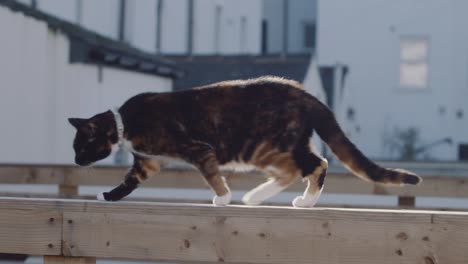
32	232
267	235
192	233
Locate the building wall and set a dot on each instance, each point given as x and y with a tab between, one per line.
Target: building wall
239	23
100	16
63	9
365	35
273	16
299	12
174	33
40	90
140	29
229	32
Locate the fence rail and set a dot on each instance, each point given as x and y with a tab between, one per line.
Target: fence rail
439	181
77	231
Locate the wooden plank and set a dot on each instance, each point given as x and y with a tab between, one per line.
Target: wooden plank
68	260
208	201
194	233
337	180
234	234
33	232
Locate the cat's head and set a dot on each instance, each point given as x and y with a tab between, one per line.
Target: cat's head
94	137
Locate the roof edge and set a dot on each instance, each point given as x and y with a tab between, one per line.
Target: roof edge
94	43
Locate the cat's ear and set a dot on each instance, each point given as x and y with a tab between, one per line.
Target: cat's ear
77	122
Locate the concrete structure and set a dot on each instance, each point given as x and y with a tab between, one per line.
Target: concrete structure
407	82
41	89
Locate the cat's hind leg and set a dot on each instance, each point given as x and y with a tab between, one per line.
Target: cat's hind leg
283	171
314	169
266	190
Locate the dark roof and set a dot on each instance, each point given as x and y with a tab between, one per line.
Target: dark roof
89	47
205	69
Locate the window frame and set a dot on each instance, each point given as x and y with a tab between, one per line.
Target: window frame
425	60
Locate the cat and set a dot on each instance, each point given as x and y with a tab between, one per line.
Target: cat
265	123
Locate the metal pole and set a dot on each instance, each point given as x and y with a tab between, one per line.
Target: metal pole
159	20
79	11
190	27
122	20
285	27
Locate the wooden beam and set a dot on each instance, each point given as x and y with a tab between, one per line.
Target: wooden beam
240	234
32	232
207	200
337	181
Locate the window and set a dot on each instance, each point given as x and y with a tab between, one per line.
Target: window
414	68
309	35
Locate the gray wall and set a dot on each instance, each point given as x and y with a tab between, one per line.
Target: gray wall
365	35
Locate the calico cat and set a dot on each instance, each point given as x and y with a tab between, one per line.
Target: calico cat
266	123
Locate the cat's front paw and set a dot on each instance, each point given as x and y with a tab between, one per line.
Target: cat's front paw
105	196
222	200
101	196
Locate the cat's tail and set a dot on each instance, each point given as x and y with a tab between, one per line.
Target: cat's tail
328	129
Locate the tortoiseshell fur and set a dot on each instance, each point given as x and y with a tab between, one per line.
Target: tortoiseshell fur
266	123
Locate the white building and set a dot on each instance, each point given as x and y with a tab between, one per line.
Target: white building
51	71
70	72
407	64
198	27
168	26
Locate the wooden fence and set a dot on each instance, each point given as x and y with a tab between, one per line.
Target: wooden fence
439	180
79	231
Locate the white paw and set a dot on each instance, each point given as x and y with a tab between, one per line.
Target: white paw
306	202
100	196
262	192
249	199
222	200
